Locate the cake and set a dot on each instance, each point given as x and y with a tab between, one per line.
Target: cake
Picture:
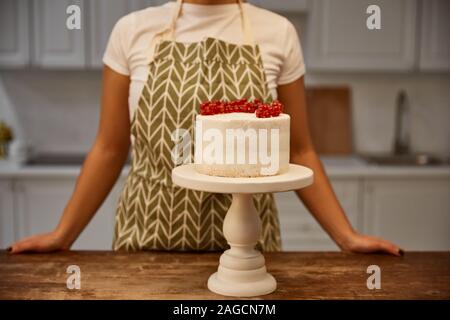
242	139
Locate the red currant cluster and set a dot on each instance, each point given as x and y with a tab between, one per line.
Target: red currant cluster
242	105
269	110
217	107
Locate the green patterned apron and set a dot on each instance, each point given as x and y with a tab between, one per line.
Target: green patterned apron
153	213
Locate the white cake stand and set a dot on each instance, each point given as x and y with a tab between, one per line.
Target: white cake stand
242	271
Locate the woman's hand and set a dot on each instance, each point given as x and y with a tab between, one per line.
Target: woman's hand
360	243
99	172
46	242
319	197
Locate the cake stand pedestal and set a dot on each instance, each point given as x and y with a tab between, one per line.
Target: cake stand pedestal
242	271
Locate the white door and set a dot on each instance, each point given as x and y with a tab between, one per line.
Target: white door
55	44
7	225
41	201
14	48
300	231
414	213
435	35
282	6
103	16
338	38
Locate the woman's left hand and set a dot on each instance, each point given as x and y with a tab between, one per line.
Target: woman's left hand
360	243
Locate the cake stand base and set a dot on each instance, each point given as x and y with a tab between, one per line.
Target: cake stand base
260	287
242	269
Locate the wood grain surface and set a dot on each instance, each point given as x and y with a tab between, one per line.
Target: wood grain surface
330	119
162	275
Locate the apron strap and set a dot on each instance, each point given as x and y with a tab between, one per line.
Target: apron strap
246	25
173	21
169	32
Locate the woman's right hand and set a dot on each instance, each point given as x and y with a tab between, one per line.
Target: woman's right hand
47	242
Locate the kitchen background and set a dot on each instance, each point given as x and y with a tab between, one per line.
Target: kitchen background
50	83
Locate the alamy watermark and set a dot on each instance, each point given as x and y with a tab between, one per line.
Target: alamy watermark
73	21
374	280
74	280
373	21
234	146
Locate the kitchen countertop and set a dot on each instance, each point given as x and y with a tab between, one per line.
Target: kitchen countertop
336	167
162	275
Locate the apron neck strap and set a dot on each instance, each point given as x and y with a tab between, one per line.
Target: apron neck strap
169	31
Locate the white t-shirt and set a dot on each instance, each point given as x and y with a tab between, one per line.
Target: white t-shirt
129	51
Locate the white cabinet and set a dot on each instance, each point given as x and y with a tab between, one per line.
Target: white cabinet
282	6
14	41
414	213
435	33
41	201
300	231
52	44
103	16
7	225
338	38
55	45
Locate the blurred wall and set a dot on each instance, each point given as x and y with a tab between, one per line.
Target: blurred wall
59	110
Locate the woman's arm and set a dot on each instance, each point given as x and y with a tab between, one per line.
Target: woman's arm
99	172
319	198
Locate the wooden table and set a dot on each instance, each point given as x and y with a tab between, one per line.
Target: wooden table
160	275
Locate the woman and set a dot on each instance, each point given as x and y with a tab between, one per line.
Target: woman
160	63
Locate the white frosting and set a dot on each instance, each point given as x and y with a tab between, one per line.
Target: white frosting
241	145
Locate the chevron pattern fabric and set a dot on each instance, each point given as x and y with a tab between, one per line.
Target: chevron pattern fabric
153	213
